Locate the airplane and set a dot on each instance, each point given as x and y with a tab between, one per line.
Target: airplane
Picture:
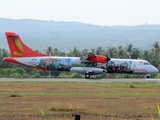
88	64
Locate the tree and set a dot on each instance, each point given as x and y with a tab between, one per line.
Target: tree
49	50
155	54
4	53
57	52
74	52
121	52
85	51
135	53
19	70
129	50
156	49
99	51
145	55
111	52
8	69
93	50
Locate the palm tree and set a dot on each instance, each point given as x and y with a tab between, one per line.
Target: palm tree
4	53
156	49
99	51
74	53
155	54
93	50
121	52
85	51
146	55
49	50
135	53
111	52
129	49
56	52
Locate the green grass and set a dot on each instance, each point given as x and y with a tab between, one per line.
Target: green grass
74	88
79	97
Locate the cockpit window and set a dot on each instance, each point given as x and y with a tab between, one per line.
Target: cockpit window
146	63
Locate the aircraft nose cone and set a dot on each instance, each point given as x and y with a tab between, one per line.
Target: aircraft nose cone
157	70
154	69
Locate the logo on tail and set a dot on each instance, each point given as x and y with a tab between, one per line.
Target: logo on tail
18	48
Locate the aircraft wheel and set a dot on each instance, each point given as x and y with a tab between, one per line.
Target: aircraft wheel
87	75
148	76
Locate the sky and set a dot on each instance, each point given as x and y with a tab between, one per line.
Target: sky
97	12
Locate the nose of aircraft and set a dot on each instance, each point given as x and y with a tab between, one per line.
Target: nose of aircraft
152	69
155	70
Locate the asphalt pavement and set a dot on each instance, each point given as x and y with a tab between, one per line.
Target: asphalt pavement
79	80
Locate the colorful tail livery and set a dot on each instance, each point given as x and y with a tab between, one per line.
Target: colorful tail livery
88	64
18	48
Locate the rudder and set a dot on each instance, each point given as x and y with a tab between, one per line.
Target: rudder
18	48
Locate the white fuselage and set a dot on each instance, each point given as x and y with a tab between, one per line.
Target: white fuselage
135	65
74	64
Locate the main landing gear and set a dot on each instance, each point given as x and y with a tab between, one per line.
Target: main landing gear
87	75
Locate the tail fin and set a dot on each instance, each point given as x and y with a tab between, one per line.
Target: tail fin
18	48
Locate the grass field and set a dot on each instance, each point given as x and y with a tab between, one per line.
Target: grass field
94	101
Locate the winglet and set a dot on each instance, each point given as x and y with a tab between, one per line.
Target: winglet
18	48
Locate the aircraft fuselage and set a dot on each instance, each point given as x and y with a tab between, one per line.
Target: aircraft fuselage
74	64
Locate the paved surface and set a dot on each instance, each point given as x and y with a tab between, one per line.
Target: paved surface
78	80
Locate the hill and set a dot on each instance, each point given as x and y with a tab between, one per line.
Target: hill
66	35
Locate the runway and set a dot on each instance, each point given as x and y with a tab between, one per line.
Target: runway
79	80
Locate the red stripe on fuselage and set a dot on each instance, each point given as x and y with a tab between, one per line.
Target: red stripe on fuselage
11	59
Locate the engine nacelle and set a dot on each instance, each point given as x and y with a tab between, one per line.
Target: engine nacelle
84	70
99	58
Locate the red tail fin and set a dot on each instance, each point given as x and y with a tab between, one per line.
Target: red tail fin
18	48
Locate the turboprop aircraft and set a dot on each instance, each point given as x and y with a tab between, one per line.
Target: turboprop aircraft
88	64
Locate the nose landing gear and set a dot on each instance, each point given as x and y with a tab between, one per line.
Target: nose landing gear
147	75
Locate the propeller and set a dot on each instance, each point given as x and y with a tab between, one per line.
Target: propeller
107	58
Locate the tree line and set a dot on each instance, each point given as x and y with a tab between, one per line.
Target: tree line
12	70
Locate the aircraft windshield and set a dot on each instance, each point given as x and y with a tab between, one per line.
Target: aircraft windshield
146	63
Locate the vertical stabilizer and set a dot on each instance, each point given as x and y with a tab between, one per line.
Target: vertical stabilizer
18	48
